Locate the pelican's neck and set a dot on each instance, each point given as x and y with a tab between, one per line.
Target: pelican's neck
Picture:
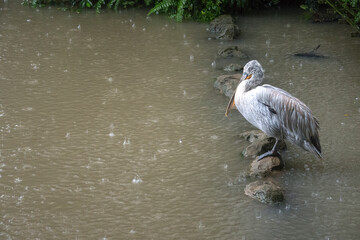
240	91
248	85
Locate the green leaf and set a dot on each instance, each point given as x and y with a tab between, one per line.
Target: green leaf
304	7
180	10
162	6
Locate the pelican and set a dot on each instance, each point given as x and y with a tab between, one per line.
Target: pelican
275	112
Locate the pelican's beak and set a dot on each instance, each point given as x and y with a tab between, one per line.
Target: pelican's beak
245	77
231	104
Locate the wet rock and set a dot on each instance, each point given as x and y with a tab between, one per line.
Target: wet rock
260	143
224	28
227	84
231	57
252	136
265	166
233	67
232	51
265	191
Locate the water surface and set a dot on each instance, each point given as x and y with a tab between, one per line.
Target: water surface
111	129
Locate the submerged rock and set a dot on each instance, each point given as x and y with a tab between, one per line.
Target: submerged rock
265	191
265	166
230	57
232	51
227	84
260	143
233	67
224	28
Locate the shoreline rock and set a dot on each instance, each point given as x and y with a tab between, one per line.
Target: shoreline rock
224	28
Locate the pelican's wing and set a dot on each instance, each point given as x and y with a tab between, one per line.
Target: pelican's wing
294	118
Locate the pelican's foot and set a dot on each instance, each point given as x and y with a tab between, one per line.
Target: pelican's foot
268	154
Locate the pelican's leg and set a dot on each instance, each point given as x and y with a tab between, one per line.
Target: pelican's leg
272	152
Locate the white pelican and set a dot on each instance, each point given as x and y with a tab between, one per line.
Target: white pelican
275	112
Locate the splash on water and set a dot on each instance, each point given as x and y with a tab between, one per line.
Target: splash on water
126	142
137	179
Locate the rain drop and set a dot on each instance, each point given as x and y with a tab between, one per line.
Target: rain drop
17	180
137	180
126	142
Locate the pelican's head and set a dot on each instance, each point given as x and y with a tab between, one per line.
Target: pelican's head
253	72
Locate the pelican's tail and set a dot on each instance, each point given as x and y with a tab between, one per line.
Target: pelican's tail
314	146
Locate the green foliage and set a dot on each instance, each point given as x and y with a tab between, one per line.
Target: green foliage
165	6
200	10
180	10
347	9
98	5
204	10
210	11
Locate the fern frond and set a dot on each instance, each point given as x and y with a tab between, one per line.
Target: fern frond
147	2
180	10
98	5
110	4
117	3
163	5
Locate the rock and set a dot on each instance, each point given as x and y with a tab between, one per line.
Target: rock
232	51
252	136
265	166
227	84
230	56
233	67
265	191
224	28
260	143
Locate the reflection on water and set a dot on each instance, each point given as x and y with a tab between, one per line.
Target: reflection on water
110	128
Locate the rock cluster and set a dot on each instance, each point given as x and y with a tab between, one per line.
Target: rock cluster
229	58
232	59
267	189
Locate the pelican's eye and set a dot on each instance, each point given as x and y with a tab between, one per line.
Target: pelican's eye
248	76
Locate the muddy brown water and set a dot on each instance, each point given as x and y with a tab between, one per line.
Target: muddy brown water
111	129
